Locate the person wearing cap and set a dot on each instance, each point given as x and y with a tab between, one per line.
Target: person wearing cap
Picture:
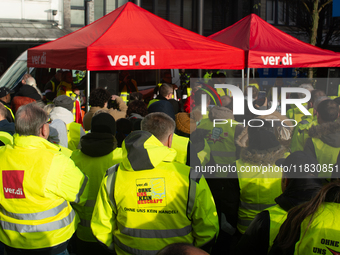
63	110
324	139
149	201
97	154
297	187
39	184
5	99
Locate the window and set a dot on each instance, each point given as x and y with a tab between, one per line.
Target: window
103	7
77	13
179	12
271	11
277	12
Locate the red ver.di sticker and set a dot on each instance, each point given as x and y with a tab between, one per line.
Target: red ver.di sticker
12	183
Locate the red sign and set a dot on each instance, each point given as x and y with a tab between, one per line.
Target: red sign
12	183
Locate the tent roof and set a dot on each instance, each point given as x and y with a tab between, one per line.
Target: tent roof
268	46
132	38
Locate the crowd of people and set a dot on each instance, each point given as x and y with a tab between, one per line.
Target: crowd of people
160	177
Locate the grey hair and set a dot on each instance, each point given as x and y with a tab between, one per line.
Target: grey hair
29	119
159	124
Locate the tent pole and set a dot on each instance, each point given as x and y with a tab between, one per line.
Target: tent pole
243	80
200	26
88	91
248	73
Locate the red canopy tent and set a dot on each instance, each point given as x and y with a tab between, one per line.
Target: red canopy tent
133	38
269	47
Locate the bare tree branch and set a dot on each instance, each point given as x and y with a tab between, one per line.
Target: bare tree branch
304	3
322	6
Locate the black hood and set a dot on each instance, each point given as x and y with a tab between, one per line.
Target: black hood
29	91
298	192
98	144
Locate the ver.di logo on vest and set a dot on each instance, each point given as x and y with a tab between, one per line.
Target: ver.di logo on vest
148	59
12	183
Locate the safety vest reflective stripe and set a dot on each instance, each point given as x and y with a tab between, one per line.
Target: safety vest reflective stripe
110	184
124	95
154	233
258	207
53	86
10	110
192	195
90	203
133	250
36	216
223	154
302	122
81	189
21	228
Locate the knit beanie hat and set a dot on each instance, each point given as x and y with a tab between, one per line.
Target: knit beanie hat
162	106
184	123
262	138
103	123
64	101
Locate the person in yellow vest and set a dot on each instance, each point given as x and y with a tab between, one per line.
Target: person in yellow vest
66	84
179	143
5	99
221	141
148	201
324	139
207	76
50	89
39	184
298	188
181	248
98	153
7	129
127	85
185	125
253	186
294	112
63	110
99	99
300	133
314	227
